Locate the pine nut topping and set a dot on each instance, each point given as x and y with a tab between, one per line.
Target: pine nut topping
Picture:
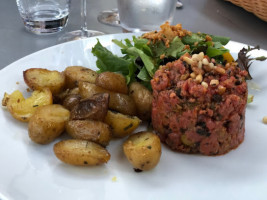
195	57
205	61
188	60
201	55
221	89
214	82
211	65
199	78
193	75
199	65
220	70
204	84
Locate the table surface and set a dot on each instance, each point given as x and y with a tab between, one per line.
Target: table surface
210	16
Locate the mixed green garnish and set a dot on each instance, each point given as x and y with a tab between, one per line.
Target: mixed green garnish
142	57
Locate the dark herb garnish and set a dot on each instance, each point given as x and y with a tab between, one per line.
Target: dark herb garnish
244	60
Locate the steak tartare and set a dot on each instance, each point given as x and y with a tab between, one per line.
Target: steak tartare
199	106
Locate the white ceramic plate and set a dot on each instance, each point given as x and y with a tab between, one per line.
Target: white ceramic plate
31	172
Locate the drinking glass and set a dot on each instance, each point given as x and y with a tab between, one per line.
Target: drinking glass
44	16
83	32
140	15
111	17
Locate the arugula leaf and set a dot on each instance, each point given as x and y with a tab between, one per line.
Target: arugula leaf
158	48
176	47
143	75
148	63
221	39
109	61
131	75
213	52
139	42
106	61
193	38
119	43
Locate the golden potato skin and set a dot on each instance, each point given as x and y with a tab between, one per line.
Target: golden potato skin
121	125
47	123
38	78
117	101
143	100
22	109
81	152
112	81
75	74
143	150
91	130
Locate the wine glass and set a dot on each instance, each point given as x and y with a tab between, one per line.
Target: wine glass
83	33
112	18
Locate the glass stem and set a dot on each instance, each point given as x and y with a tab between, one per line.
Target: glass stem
83	17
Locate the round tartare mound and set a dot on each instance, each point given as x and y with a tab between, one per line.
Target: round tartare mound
199	106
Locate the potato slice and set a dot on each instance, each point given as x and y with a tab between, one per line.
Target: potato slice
37	79
143	150
47	123
117	101
81	152
142	98
95	131
112	81
121	125
22	109
75	74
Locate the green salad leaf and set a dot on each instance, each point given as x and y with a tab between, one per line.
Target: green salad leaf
141	58
107	61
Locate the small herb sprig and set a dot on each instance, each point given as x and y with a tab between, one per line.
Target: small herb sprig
244	60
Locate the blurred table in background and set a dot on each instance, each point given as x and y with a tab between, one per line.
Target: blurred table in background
210	16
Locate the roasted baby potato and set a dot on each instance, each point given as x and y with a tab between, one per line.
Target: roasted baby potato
117	101
143	100
22	109
95	131
75	74
71	101
59	98
81	152
47	123
94	108
143	150
37	79
121	125
112	81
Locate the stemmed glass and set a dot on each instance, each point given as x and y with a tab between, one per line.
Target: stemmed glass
83	32
111	17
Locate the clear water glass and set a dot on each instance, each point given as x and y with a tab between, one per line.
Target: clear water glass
44	16
145	15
